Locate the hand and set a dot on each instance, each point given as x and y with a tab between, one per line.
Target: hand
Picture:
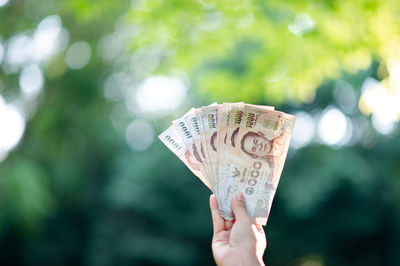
238	242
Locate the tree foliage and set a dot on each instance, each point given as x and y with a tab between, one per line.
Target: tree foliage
272	50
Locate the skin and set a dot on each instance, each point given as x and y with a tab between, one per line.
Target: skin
238	242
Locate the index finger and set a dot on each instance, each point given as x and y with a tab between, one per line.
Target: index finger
218	221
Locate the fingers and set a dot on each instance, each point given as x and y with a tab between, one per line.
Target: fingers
239	209
218	221
228	224
261	239
259	228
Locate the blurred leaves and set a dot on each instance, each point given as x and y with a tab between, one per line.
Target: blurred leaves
307	42
25	189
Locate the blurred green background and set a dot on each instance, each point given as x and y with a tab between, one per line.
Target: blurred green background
86	86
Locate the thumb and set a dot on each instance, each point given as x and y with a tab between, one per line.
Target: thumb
239	209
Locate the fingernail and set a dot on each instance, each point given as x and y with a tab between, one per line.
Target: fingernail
240	196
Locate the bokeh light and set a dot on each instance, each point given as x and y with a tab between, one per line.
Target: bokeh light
116	86
45	37
110	47
383	124
345	96
145	60
31	81
139	134
3	2
78	55
302	23
159	94
333	128
12	126
19	50
382	100
303	130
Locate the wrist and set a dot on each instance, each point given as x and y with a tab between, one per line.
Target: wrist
256	261
243	260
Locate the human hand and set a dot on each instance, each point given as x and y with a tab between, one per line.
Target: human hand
238	242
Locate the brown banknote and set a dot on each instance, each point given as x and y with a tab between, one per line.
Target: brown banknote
171	139
235	147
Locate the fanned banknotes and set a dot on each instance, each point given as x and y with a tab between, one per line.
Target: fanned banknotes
234	147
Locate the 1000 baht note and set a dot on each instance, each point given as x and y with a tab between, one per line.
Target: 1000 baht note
210	124
173	141
183	130
234	147
230	119
254	167
194	128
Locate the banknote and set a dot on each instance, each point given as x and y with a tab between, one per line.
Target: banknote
183	131
196	128
228	124
256	160
193	124
210	124
234	147
204	144
171	139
